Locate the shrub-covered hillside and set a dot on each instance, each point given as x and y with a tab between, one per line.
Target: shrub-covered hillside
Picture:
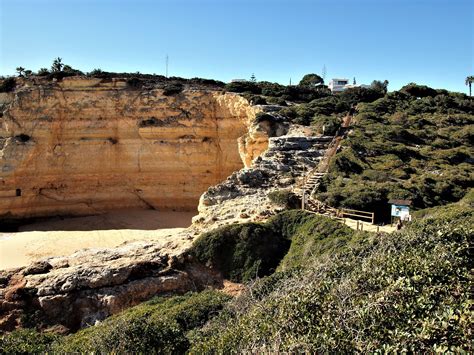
416	143
408	291
333	289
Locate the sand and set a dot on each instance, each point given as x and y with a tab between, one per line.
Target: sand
56	237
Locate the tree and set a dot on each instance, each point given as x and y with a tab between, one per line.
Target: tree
311	80
57	65
96	72
380	86
253	79
469	81
43	72
28	73
20	71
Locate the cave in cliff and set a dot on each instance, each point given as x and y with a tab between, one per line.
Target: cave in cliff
85	146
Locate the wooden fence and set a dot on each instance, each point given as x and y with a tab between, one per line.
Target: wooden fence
355	213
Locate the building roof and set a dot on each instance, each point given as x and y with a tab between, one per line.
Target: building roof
400	202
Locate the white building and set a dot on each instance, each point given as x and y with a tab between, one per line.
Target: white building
338	85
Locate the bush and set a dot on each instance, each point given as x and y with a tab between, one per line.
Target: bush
26	341
173	89
43	72
134	83
243	86
277	101
8	85
285	198
406	143
157	326
326	124
311	80
415	90
347	163
257	100
241	252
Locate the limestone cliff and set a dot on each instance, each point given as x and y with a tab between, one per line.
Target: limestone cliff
86	145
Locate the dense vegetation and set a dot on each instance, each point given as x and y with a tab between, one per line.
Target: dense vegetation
379	293
160	325
246	251
415	144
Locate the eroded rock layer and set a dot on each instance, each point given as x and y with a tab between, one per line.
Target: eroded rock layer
83	146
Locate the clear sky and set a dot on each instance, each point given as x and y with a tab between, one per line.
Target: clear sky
425	41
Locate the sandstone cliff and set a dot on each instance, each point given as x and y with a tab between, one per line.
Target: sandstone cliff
83	146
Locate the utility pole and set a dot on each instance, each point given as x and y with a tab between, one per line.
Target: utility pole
167	60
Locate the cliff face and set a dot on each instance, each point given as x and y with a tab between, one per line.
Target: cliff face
84	146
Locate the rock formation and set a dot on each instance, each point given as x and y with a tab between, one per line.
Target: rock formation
82	146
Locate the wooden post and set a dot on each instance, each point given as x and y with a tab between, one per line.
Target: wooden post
357	228
302	200
362	226
377	229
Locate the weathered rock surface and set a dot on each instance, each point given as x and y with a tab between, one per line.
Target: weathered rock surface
83	145
246	192
87	286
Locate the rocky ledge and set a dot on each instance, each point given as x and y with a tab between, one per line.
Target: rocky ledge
68	293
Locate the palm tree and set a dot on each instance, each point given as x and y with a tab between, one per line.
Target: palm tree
469	81
57	65
20	71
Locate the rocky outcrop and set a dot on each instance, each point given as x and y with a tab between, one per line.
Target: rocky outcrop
243	196
83	145
79	290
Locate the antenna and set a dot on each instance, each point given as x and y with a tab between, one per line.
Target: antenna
324	72
290	81
167	60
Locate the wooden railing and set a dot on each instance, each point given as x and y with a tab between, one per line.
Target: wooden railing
356	213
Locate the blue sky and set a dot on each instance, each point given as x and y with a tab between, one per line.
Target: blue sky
425	41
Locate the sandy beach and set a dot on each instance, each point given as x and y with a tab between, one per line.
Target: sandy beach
63	236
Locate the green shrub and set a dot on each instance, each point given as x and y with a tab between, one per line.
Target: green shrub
326	124
347	163
285	198
134	83
276	101
257	100
244	86
414	143
157	326
8	85
241	252
26	341
418	90
173	89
